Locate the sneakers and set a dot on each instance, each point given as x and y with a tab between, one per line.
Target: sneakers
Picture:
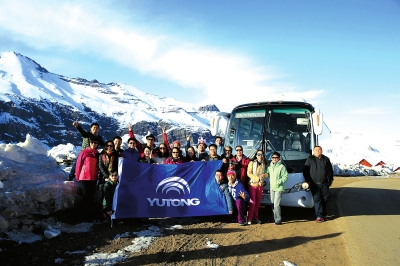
249	222
241	223
320	220
256	221
278	223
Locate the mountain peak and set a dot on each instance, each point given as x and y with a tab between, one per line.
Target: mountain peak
13	59
208	108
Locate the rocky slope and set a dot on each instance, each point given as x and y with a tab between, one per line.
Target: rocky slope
36	101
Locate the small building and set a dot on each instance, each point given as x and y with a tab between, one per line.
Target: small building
381	163
365	163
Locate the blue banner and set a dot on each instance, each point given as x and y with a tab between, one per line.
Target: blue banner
167	190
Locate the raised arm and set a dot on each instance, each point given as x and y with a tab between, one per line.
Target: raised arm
139	145
164	134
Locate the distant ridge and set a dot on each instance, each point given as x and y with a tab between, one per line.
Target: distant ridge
36	101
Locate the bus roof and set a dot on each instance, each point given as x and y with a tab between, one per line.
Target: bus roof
302	103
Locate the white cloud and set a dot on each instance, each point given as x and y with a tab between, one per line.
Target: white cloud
224	76
373	110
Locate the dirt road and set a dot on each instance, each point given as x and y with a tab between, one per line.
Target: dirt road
299	240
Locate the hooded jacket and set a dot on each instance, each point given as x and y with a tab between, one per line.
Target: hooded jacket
278	175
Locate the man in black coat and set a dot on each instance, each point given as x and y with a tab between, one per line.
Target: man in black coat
318	173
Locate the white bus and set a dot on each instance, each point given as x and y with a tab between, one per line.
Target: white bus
290	127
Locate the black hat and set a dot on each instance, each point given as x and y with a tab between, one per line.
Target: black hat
150	136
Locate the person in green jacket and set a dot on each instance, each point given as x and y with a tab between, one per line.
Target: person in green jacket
109	189
278	175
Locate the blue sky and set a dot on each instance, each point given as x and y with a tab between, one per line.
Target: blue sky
342	56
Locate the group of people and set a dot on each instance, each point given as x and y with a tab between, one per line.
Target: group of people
245	184
241	179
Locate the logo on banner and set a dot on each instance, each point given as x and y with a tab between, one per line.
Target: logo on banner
178	185
174	183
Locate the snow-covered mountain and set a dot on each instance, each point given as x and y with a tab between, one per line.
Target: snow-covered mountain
36	101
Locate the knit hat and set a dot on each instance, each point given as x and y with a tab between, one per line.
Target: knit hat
177	142
230	172
201	141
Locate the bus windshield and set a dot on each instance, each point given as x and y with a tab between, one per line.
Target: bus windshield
285	129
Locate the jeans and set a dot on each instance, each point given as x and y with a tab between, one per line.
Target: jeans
276	205
320	194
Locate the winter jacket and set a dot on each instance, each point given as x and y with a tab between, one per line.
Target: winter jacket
204	156
318	170
254	171
144	160
187	158
109	190
130	154
214	158
223	186
87	165
241	169
173	161
107	163
87	136
236	188
119	151
278	175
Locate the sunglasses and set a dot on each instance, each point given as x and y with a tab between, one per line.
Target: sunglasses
228	150
275	157
94	142
259	154
151	139
109	145
175	152
239	150
132	143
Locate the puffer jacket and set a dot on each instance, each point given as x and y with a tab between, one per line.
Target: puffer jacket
87	165
278	175
170	160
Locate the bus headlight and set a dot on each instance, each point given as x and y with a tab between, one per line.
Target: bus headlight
302	186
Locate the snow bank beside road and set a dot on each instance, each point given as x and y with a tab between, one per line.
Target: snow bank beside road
33	184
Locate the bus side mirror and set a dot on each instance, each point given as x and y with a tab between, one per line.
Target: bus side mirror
214	122
317	122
